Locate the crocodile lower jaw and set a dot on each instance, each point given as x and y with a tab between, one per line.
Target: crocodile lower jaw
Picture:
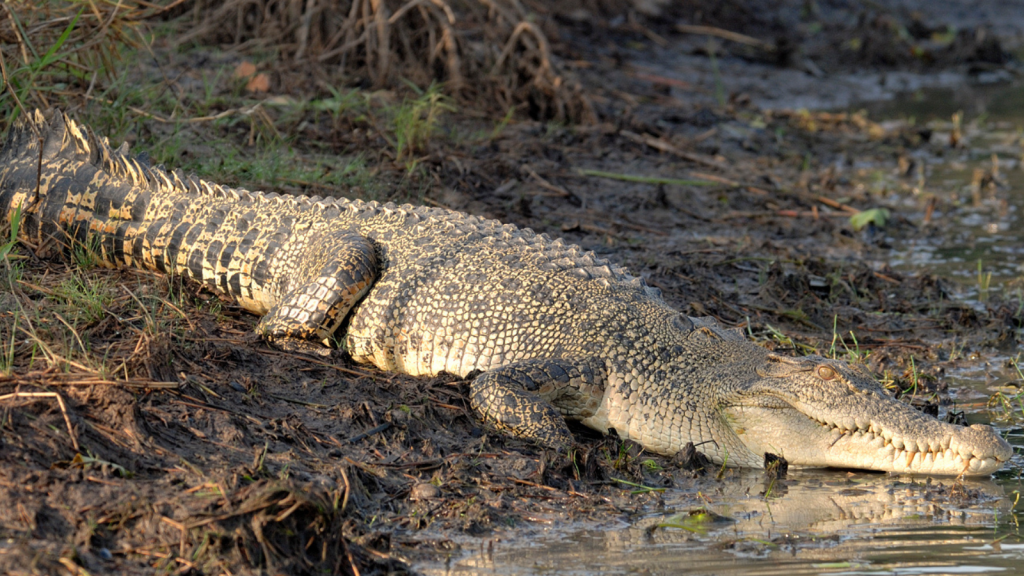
808	442
868	450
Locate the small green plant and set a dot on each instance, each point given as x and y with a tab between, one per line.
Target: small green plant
856	355
622	458
725	463
1005	405
912	391
835	336
259	470
651	465
416	120
852	355
956	350
712	50
984	282
84	301
7	363
785	340
639	488
876	216
6	247
503	123
888	381
1008	404
85	255
90	461
696	520
341	103
23	79
13	270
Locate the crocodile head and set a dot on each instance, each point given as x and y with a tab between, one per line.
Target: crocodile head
818	412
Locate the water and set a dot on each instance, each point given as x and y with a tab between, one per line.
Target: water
851	523
815	522
983	227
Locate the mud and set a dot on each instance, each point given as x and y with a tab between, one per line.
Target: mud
195	448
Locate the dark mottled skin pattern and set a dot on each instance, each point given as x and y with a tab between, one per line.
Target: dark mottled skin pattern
554	332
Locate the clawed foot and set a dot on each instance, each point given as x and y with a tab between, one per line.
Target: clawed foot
300	346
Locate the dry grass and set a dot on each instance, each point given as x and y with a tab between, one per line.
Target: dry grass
51	48
485	51
490	55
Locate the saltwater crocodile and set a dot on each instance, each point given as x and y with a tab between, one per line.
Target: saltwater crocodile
546	331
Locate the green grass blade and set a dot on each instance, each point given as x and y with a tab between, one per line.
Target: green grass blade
6	248
51	54
15	223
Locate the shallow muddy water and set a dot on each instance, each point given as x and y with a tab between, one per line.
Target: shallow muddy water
982	236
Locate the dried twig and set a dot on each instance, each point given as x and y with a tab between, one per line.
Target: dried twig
53	377
558	190
725	35
60	402
664	146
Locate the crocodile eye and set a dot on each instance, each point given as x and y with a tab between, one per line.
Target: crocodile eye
826	373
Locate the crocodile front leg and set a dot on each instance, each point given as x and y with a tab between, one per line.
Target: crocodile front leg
339	271
532	399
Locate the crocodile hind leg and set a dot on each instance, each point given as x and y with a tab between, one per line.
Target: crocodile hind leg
532	399
339	272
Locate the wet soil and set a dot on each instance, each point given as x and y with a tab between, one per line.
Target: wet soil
173	440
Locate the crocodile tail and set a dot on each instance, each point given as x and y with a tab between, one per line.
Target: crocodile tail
61	138
33	143
58	134
21	164
22	140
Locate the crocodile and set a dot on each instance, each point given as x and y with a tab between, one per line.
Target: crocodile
545	331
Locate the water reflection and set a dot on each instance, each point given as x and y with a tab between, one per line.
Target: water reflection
812	523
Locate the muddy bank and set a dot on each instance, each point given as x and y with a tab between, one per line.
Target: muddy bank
170	438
